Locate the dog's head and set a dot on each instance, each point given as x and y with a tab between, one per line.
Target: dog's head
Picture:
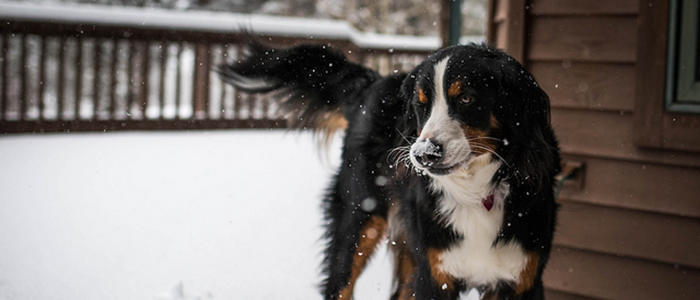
467	101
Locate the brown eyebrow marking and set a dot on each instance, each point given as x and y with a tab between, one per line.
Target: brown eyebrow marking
493	122
455	89
422	98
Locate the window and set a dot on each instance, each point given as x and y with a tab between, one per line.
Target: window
683	74
672	125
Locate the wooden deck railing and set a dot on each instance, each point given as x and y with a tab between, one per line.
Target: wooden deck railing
60	76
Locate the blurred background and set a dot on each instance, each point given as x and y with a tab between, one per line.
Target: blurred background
129	171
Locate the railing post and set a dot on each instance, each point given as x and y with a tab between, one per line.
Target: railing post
201	81
178	79
223	98
450	22
42	77
97	71
161	81
237	100
78	78
60	75
3	88
23	79
112	110
145	78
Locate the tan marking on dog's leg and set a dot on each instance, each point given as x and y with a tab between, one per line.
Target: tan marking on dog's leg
370	236
403	272
440	277
528	274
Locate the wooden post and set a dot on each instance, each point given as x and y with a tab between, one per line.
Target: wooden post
450	22
509	18
23	82
112	109
201	81
78	77
178	80
223	98
61	77
515	41
42	76
3	88
96	79
161	83
444	22
145	78
491	22
237	96
130	62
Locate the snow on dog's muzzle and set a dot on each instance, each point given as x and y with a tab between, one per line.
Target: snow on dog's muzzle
426	153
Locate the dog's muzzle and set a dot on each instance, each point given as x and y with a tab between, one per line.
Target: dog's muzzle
430	156
427	153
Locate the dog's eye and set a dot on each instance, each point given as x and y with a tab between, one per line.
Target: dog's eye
467	100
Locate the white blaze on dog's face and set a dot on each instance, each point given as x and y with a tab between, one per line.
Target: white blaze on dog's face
453	108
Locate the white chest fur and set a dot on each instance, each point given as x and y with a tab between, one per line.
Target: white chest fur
476	259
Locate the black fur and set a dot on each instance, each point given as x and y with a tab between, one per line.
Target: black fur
382	114
316	80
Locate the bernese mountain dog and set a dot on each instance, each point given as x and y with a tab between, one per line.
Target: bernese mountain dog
453	162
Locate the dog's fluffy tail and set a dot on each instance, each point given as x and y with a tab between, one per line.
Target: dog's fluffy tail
316	84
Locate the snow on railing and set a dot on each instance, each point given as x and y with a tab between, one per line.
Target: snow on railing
82	67
222	22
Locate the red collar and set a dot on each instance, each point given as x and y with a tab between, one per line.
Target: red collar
488	202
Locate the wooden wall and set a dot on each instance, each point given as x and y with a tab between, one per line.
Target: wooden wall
632	230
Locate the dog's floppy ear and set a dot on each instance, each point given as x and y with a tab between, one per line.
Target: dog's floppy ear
408	85
406	94
524	115
523	103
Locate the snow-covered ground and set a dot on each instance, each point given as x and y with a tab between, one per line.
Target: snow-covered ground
167	215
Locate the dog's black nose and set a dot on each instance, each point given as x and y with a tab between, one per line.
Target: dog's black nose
428	159
427	153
